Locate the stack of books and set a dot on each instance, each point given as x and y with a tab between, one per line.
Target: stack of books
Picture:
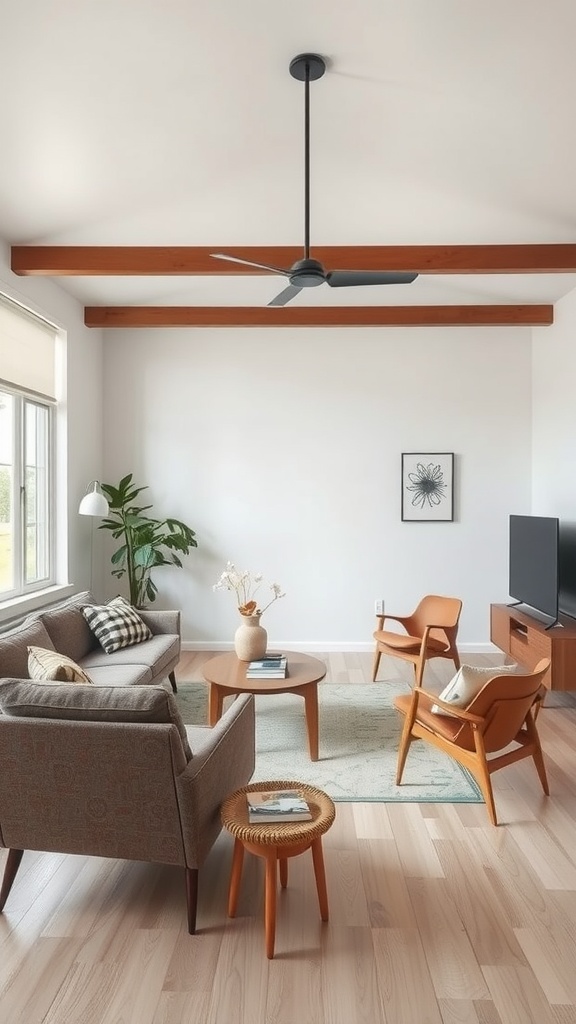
277	805
272	666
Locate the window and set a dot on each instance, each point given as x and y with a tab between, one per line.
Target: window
27	423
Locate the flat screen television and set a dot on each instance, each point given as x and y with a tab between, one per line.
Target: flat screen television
534	563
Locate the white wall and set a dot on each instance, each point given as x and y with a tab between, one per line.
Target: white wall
554	438
282	450
81	406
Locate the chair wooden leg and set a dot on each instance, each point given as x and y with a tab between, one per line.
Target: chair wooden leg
191	897
482	776
405	741
172	678
283	866
376	663
537	751
540	768
10	871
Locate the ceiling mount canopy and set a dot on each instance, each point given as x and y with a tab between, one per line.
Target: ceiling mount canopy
309	272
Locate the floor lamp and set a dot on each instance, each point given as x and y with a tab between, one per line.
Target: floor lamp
93	504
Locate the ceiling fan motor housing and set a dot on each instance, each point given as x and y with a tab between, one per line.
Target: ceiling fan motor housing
307	274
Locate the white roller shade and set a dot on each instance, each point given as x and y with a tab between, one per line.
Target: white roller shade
27	349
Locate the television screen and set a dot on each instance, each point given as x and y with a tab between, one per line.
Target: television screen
533	576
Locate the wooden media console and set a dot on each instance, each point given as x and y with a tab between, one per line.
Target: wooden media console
527	640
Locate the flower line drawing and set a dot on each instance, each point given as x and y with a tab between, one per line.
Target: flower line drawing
245	585
428	485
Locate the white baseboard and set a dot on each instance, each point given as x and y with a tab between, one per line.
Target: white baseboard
329	647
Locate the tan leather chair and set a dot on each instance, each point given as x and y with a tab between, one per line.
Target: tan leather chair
429	632
502	713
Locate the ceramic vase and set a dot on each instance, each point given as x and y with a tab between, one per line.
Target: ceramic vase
250	639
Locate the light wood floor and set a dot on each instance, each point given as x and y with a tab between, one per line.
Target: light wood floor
436	917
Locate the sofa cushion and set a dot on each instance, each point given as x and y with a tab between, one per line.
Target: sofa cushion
157	652
29	699
68	630
120	675
116	624
14	647
51	666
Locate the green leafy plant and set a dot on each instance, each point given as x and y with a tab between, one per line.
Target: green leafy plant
146	543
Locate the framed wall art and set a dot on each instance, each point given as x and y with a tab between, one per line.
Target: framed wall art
428	487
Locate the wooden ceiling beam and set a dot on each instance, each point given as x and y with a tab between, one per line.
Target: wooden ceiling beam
129	260
319	316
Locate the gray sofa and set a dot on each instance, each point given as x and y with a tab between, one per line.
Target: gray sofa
63	628
111	771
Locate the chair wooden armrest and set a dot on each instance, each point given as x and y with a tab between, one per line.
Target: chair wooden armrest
397	618
451	709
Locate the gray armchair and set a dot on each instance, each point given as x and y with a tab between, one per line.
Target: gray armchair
108	771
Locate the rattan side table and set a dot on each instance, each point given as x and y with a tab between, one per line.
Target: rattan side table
276	842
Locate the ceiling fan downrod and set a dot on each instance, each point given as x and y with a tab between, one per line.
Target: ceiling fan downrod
307	67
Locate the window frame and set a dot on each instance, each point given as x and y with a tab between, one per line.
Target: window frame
22	399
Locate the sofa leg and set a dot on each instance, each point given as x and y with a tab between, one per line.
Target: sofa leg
10	871
172	679
191	897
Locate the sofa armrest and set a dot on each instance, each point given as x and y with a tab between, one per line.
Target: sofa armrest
161	621
223	761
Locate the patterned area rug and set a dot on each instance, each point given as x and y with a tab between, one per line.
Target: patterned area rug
359	736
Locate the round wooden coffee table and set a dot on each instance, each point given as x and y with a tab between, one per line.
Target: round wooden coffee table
276	842
227	675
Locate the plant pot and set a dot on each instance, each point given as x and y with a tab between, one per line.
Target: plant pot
250	639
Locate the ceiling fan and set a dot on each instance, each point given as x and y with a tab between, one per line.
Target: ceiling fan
307	272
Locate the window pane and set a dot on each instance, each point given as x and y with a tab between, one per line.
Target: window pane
36	562
6	486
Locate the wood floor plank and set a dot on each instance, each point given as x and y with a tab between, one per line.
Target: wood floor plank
554	868
462	1011
415	848
32	988
350	982
406	987
454	969
491	938
371	821
517	996
543	965
387	896
181	1007
346	892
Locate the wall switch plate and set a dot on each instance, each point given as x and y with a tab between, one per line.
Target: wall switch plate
379	606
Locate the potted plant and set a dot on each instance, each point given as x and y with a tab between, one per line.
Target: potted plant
146	542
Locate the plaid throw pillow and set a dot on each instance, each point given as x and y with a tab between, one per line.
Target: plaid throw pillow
116	624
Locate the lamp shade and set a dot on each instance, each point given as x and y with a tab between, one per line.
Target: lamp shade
94	503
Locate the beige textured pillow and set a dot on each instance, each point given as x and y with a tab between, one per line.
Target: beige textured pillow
467	683
51	667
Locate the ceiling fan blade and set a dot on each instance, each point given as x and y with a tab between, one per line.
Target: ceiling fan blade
248	263
344	278
289	293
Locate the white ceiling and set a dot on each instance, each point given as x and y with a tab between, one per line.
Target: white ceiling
134	122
